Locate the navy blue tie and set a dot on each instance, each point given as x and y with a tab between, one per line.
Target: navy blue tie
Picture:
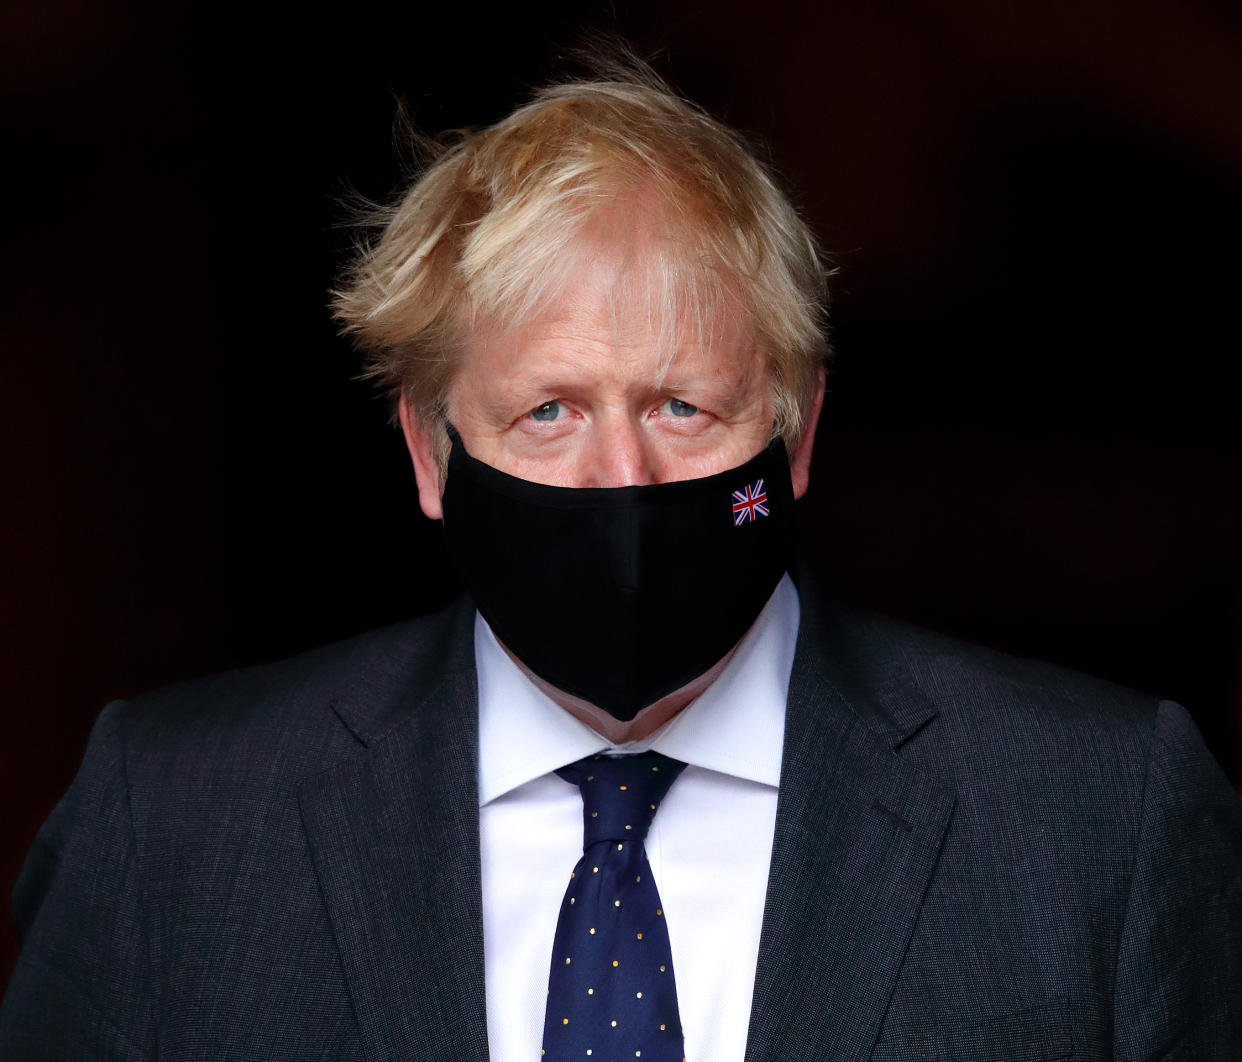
611	992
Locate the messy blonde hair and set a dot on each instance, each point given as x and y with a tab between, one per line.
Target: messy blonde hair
491	231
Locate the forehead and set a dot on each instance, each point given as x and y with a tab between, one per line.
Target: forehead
639	295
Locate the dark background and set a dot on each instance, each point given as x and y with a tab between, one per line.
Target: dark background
1032	436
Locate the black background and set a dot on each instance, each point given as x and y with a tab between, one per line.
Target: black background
1032	435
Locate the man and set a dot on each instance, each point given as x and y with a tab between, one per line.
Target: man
600	321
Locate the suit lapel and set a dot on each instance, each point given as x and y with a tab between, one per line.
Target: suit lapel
394	836
858	832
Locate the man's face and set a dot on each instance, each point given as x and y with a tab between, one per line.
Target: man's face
584	396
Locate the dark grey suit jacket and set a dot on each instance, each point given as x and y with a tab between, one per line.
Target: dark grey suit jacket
975	858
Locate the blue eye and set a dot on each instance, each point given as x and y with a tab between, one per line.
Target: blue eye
546	412
678	408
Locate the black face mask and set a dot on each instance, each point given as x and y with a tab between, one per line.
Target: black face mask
620	595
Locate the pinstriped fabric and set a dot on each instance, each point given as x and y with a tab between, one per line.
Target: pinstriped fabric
975	856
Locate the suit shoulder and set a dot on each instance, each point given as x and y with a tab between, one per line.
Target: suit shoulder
1029	748
299	713
982	678
989	701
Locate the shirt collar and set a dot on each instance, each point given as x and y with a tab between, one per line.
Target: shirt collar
736	726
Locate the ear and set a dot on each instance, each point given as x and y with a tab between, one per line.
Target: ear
800	466
418	441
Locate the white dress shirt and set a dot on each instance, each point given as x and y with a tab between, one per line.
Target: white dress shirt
709	847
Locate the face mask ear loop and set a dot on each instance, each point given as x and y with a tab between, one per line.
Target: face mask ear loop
456	446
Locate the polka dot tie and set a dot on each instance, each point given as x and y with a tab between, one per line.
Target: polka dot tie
611	993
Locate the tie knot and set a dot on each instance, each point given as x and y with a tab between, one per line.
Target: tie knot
620	794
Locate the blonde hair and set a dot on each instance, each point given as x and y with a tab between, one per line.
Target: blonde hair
491	231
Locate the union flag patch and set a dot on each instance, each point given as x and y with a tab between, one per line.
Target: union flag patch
749	503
